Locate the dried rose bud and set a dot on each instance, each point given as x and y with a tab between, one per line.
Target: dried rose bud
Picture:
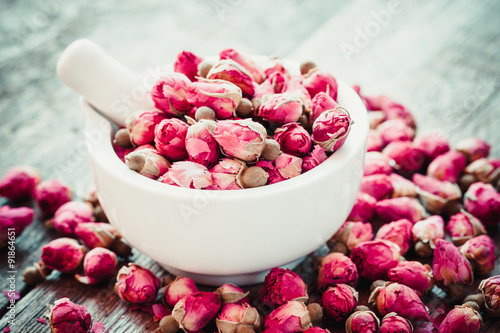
229	70
473	148
425	233
463	226
181	287
99	265
402	186
480	251
362	321
377	163
288	318
136	284
316	330
243	139
378	186
71	214
96	234
463	318
122	152
187	64
352	233
432	145
395	130
331	128
278	81
436	194
141	126
195	311
281	108
413	274
244	61
321	103
263	91
14	218
293	139
226	174
52	194
230	293
67	316
483	170
447	166
234	317
294	86
271	149
221	96
314	158
282	168
320	81
19	182
201	146
170	136
336	268
375	258
490	289
63	254
406	155
392	323
400	208
483	201
339	301
394	110
283	285
363	209
398	232
452	271
374	141
375	118
188	175
147	162
169	94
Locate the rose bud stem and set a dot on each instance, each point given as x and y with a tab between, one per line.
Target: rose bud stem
204	67
245	108
253	177
204	112
36	273
168	324
306	66
122	138
315	312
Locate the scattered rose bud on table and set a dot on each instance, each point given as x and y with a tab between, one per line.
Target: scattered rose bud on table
13	221
230	293
136	284
283	285
181	287
490	289
52	194
67	316
19	183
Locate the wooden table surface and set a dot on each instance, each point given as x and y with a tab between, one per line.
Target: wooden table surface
440	58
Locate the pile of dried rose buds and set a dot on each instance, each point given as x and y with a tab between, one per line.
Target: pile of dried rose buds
234	124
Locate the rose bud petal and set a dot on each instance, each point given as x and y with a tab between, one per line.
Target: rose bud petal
187	64
63	254
395	110
52	194
425	233
483	201
71	214
398	232
463	226
374	141
294	86
480	251
352	233
363	209
392	323
436	194
406	155
398	298
316	330
414	275
314	158
169	94
201	146
96	234
234	316
378	186
147	162
321	103
331	128
484	170
283	285
221	96
339	301
122	152
244	61
278	81
243	139
274	65
375	118
319	80
447	166
336	268
282	168
170	136
402	186
19	182
452	271
141	126
377	163
195	311
375	258
473	148
229	70
362	321
136	284
490	289
188	175
16	219
230	293
67	316
288	318
432	145
264	90
293	139
400	208
99	265
395	130
181	287
226	174
281	108
463	318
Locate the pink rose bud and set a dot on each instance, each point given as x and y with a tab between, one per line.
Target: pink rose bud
288	318
99	265
170	136
395	110
226	174
375	258
243	139
414	275
221	96
229	70
400	208
321	103
71	214
147	162
281	108
377	163
480	251
187	64
406	155
375	118
362	321
141	126
336	268
52	194
490	289
63	254
13	218
237	316
447	166
484	170
339	301
264	90
201	146
463	226
244	61
278	81
19	183
473	148
283	285
398	298
96	234
122	152
378	186
463	318
282	168
314	158
452	271
188	175
294	86
319	80
436	194
392	323
432	145
181	287
169	94
374	141
293	139
395	130
195	311
316	330
67	316
230	293
353	233
425	233
402	186
398	232
331	128
363	209
136	284
483	201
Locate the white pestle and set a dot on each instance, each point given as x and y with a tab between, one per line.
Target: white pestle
109	86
